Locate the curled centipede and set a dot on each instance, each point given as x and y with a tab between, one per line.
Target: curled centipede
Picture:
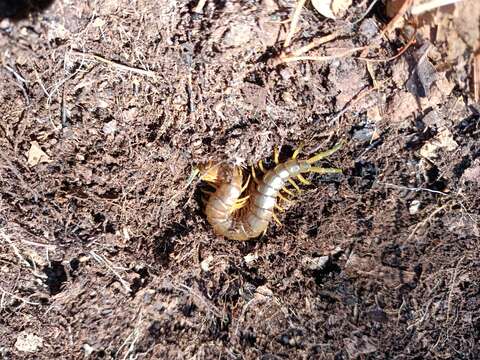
241	210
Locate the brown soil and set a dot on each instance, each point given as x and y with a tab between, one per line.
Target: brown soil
107	106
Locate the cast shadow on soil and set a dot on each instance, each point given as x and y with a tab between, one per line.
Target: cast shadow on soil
165	243
56	277
21	9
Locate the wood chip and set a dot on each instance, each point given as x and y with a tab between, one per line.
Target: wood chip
36	155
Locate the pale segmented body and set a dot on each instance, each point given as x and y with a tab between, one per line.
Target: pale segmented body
247	218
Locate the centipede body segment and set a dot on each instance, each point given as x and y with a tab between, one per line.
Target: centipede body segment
247	217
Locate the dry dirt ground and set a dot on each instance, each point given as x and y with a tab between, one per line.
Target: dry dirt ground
107	106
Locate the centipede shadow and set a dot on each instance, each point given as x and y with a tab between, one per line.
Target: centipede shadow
21	9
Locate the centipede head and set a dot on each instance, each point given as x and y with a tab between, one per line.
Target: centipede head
215	173
210	172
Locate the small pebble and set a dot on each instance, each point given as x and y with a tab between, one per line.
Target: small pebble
414	206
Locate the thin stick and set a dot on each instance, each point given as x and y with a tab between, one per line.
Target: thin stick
321	58
422	223
374	2
400	53
450	293
315	43
18	297
402	11
421	8
415	189
118	65
15	249
294	23
102	260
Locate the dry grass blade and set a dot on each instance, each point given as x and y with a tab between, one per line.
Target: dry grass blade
321	58
117	65
102	260
294	23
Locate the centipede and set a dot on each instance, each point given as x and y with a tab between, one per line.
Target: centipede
240	209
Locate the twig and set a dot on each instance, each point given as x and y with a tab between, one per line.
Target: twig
402	11
15	249
321	58
118	65
104	261
418	9
315	43
415	189
18	297
454	277
425	221
132	338
294	23
400	53
21	82
374	2
186	289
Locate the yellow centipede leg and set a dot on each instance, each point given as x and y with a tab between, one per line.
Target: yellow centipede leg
260	166
303	180
279	208
242	200
288	201
240	203
244	187
320	170
254	175
287	191
294	184
276	155
276	219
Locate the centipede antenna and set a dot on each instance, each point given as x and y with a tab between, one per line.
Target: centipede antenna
297	151
320	170
303	180
287	191
276	155
260	166
324	154
276	219
192	176
294	184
